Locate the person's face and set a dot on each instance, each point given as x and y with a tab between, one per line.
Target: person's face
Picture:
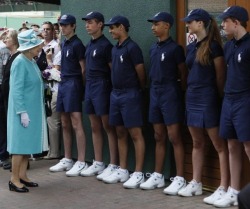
115	31
92	27
9	41
47	31
229	25
193	26
67	30
160	28
36	50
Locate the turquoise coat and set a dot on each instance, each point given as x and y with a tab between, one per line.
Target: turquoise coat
26	95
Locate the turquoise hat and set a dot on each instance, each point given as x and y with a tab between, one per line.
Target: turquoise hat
28	40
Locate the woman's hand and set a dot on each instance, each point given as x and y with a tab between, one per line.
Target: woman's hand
25	119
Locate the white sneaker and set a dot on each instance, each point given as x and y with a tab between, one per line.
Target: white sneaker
217	195
119	175
77	168
155	180
193	188
229	199
134	181
107	172
63	165
95	168
177	184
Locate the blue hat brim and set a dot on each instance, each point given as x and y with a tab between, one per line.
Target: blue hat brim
223	16
109	23
30	46
187	19
153	20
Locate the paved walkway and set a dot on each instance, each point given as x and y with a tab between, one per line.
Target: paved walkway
56	191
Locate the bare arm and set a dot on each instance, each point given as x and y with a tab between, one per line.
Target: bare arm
140	70
182	70
82	64
220	69
110	65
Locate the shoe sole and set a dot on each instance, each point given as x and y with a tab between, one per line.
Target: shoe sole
92	174
147	188
87	175
170	193
110	182
114	182
131	187
72	175
193	194
61	170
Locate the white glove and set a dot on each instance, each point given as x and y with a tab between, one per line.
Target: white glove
25	119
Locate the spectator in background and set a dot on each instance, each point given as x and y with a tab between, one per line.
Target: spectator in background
56	35
4	155
24	28
51	48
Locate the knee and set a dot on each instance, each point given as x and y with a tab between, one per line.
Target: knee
95	128
247	150
220	146
159	137
198	144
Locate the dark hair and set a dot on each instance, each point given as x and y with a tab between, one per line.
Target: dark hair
25	28
213	34
35	25
49	23
243	23
98	21
126	28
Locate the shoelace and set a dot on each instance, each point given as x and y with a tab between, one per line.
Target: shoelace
173	178
191	183
148	175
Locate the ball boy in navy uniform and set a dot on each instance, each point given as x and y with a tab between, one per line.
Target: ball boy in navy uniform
166	110
235	115
128	78
97	94
70	96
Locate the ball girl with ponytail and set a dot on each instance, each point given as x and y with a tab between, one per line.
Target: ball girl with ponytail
205	85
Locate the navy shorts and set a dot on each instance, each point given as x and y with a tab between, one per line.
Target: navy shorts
166	105
97	97
126	108
235	117
70	96
202	110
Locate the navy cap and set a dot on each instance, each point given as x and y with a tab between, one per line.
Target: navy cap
197	14
94	15
237	12
67	19
162	16
118	19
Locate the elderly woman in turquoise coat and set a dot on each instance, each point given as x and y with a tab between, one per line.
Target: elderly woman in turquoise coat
26	120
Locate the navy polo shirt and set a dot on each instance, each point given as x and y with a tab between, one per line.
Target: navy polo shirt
237	56
73	51
124	59
98	56
202	76
165	57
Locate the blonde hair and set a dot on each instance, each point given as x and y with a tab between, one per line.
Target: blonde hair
13	34
213	34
